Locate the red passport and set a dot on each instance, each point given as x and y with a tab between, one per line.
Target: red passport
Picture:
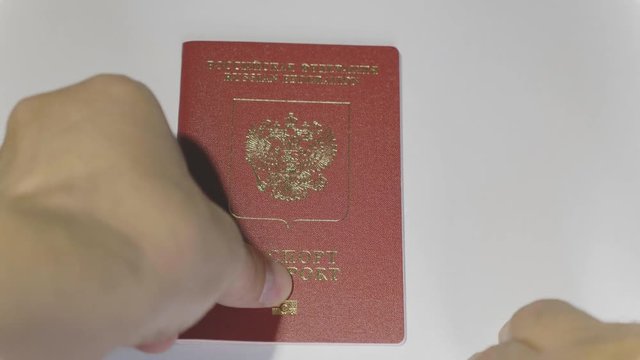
301	144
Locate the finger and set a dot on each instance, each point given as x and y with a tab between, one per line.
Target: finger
547	324
157	346
261	282
626	347
512	350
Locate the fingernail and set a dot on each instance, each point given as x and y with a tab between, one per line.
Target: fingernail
505	333
157	347
277	285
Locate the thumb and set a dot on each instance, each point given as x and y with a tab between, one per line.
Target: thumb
259	282
549	324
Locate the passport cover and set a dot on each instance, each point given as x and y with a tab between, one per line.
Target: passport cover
301	144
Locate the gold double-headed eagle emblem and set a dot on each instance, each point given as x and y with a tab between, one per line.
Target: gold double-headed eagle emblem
288	158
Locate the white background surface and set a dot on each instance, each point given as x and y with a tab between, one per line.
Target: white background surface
521	125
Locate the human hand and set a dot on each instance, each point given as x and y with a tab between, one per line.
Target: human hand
105	239
555	330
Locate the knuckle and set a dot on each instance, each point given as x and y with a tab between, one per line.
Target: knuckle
550	322
118	86
111	80
24	107
536	311
509	350
489	354
24	112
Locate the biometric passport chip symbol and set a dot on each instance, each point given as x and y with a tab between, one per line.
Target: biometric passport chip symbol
288	307
287	159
